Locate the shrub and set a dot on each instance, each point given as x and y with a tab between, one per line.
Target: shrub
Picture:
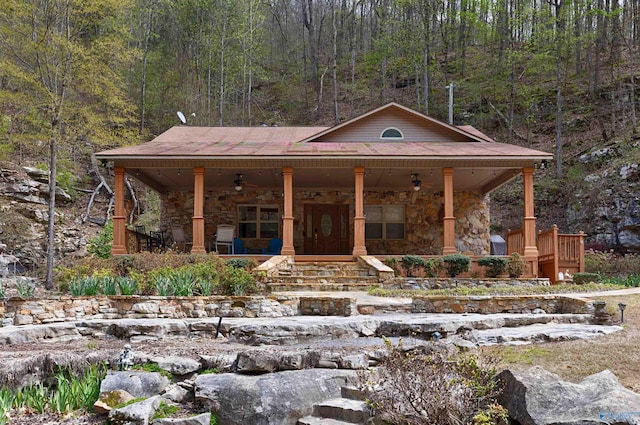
163	286
109	285
412	263
239	263
237	281
100	246
494	266
26	289
610	263
433	267
456	264
431	387
582	278
515	265
183	282
392	263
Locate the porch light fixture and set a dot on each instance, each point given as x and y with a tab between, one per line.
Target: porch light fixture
238	182
416	182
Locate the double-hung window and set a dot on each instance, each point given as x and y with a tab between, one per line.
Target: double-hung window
384	221
258	221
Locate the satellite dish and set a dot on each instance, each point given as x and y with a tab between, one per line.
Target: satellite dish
182	118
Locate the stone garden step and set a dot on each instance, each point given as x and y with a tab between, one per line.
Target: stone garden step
321	286
313	420
352	411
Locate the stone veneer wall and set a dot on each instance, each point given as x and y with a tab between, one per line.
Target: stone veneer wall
18	311
423	231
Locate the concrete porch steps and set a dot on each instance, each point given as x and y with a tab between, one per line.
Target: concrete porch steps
348	409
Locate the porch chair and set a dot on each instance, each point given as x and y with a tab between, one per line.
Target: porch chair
156	239
224	237
238	246
180	238
274	248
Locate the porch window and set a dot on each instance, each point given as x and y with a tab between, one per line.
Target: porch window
384	221
258	221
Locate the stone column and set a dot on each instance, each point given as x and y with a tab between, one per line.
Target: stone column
287	217
198	211
359	247
119	246
448	221
529	220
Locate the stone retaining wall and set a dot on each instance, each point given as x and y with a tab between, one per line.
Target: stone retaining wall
502	304
427	283
18	311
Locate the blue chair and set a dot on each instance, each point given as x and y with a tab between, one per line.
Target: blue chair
275	246
238	246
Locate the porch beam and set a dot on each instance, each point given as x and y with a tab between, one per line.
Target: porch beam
198	211
529	220
359	247
119	246
448	221
287	217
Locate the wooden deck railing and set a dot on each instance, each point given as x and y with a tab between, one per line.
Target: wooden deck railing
515	242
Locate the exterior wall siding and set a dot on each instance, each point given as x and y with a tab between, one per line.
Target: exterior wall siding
423	231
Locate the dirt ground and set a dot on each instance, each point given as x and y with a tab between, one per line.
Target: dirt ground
572	360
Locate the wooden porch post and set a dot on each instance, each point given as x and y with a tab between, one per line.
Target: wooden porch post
529	220
198	211
119	246
448	221
359	247
287	218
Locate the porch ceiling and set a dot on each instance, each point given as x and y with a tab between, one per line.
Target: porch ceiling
327	178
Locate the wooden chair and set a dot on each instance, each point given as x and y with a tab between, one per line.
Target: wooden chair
180	238
224	237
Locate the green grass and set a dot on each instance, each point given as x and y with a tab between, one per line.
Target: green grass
165	410
528	356
506	290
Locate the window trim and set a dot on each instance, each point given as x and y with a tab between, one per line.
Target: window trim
257	221
383	137
384	222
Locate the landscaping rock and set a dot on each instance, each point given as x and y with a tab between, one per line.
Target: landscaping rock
178	394
110	399
136	383
539	397
31	333
222	362
158	328
276	398
257	361
203	419
179	366
135	414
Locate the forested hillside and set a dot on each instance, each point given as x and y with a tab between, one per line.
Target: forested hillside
78	76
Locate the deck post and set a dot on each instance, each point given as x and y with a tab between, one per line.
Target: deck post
198	211
359	247
448	221
529	220
119	246
287	217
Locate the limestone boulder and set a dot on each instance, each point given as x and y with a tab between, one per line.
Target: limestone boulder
136	383
270	399
110	399
152	328
539	397
137	413
203	419
178	366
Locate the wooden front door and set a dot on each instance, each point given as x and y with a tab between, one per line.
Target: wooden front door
326	229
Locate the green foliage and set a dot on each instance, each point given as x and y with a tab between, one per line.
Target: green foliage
243	263
2	291
184	282
163	286
608	263
582	278
412	263
127	285
516	265
209	371
456	264
26	288
100	246
433	267
237	281
495	266
392	263
631	281
165	410
109	285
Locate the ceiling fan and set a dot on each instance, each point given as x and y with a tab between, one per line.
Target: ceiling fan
239	183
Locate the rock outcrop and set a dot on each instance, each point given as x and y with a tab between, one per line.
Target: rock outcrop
539	397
